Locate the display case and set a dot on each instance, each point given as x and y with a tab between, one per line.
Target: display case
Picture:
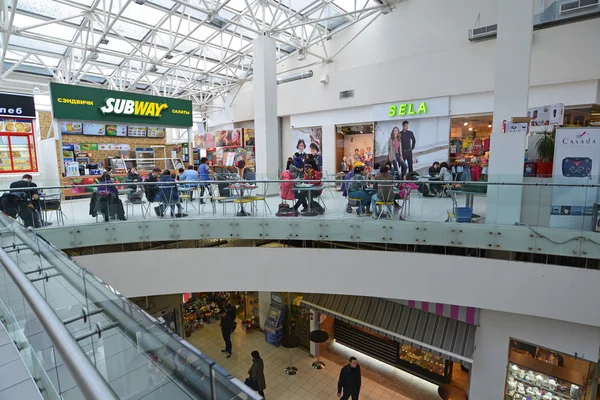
530	378
17	152
144	159
426	364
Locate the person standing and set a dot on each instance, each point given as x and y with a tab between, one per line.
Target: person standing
350	380
226	329
257	373
408	145
204	173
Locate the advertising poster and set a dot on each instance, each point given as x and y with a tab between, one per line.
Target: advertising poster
550	115
72	168
93	129
229	138
88	146
576	162
204	140
71	128
136	131
359	148
116	130
431	140
16	125
156	132
308	141
249	137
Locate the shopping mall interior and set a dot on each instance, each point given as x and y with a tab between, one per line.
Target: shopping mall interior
296	199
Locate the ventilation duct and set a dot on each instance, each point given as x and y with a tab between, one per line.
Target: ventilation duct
295	77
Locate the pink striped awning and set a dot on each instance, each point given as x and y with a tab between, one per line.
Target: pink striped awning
470	315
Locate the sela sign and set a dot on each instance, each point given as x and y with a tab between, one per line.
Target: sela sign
131	107
426	108
79	103
13	105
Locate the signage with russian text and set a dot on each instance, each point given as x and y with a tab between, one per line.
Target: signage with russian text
17	106
90	104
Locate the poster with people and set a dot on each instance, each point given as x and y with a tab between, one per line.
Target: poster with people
413	146
229	138
307	141
249	137
204	140
359	148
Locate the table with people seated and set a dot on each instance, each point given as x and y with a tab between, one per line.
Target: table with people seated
307	187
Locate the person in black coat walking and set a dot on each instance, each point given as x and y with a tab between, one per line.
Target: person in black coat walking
226	329
350	380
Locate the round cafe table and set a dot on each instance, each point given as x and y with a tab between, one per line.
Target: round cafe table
318	337
449	392
291	342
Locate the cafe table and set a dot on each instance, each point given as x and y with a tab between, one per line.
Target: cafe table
301	187
239	189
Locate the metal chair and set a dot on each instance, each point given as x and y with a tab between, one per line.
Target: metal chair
52	203
262	197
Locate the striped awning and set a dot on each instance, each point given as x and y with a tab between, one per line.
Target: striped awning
443	336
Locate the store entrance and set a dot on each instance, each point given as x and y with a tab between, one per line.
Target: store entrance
470	146
354	143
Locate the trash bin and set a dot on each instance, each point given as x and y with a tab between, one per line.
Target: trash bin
464	214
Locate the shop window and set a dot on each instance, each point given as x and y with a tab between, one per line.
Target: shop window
17	152
470	146
355	144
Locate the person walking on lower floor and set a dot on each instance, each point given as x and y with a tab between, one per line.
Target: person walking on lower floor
226	329
257	373
350	381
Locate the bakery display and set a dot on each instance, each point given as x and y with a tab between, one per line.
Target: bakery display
523	383
423	359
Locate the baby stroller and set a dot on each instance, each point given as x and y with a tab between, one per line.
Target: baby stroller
350	203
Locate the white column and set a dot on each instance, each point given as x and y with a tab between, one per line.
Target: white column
264	303
265	108
511	97
190	140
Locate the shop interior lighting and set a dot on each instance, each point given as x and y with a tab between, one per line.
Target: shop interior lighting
470	129
466	123
490	125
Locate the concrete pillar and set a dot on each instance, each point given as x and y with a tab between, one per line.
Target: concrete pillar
511	97
265	108
264	303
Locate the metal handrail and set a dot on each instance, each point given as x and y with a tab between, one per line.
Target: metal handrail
88	378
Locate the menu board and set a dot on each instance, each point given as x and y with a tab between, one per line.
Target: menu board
116	130
71	128
93	129
136	131
155	132
15	125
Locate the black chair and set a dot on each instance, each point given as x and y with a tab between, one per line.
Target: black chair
318	337
291	342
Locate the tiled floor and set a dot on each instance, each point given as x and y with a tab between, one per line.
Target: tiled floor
421	209
380	381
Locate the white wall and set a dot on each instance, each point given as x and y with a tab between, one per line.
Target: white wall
562	293
492	342
421	50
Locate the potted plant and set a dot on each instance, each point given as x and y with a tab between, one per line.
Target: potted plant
545	150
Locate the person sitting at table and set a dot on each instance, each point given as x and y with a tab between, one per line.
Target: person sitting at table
23	202
310	174
167	195
377	170
109	203
445	175
180	171
135	194
356	190
385	191
151	189
190	175
434	170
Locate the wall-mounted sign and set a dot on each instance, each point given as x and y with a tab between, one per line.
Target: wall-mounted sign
71	128
550	115
91	104
426	108
18	106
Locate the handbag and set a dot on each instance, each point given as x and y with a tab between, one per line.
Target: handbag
251	383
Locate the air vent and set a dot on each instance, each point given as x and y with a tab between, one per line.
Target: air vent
485	32
578	5
346	94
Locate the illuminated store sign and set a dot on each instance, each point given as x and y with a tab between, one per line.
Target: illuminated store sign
403	109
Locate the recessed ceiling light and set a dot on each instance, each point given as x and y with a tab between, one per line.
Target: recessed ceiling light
466	123
470	129
490	125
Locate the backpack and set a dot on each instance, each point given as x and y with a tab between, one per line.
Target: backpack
285	210
315	206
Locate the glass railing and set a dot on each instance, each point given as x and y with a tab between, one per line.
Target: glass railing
506	201
132	354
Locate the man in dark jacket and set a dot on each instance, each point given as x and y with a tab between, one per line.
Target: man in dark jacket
408	141
24	201
151	189
350	380
226	329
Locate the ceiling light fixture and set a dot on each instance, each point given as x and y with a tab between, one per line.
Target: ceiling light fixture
104	41
466	123
153	69
94	56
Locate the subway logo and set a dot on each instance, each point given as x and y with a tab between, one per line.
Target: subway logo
133	107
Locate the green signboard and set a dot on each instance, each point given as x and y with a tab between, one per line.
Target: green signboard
70	102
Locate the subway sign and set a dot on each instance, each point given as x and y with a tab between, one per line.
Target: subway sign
81	103
404	109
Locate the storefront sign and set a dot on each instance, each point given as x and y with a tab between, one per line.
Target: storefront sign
550	115
13	105
90	104
425	108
